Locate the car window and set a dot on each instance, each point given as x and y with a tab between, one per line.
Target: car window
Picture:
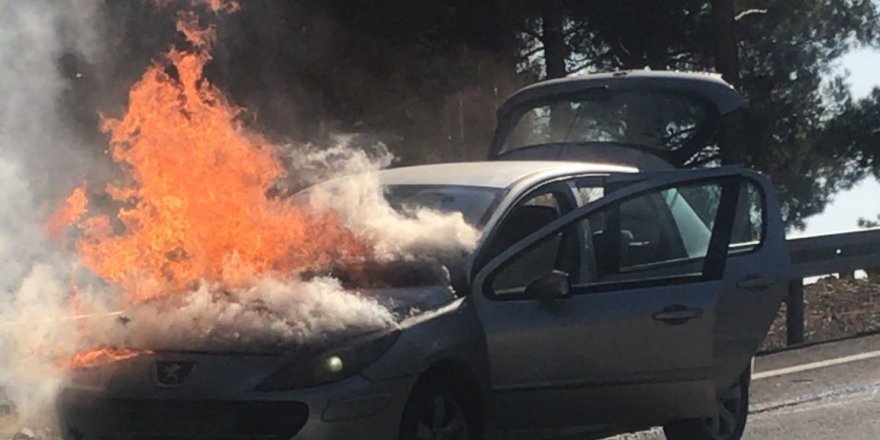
474	203
534	213
665	233
626	117
748	222
589	193
549	200
529	266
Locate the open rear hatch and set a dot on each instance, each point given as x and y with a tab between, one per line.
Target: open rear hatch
650	120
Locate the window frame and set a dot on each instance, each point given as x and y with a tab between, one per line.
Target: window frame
714	261
560	184
765	217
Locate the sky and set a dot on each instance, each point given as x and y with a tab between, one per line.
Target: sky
863	200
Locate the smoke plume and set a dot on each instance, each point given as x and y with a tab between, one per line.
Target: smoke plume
39	156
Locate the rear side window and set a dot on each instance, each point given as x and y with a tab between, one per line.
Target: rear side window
748	222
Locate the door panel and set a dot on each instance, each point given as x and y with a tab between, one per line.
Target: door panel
604	352
633	342
755	279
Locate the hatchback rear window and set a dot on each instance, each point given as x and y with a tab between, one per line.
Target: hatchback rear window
666	121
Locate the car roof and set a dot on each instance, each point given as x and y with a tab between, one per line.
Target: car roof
492	174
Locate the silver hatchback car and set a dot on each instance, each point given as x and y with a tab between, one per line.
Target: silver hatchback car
604	296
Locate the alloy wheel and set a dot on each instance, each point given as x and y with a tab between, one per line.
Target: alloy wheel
442	419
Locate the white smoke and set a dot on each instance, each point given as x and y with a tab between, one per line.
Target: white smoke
358	196
38	155
311	164
361	202
267	315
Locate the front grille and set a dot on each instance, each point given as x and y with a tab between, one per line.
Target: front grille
153	419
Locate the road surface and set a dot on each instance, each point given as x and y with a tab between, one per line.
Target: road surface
823	392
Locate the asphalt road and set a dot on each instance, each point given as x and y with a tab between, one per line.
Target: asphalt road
824	392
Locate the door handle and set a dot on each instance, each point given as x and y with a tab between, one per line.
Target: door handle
755	282
677	314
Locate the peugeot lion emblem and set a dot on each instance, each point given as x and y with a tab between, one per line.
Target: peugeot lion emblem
172	373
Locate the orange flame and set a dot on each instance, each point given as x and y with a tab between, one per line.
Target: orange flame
227	6
102	356
218	6
73	208
196	206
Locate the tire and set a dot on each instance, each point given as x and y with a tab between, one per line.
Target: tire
439	408
729	424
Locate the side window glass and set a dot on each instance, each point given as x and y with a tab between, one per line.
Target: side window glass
538	261
748	222
589	194
547	200
659	234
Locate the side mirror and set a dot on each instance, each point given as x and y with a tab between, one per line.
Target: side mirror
551	286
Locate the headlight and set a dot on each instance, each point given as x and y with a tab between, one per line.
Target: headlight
332	365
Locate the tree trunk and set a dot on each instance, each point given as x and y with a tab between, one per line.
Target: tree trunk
553	37
555	56
727	64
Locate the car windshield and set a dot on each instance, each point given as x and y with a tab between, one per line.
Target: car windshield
473	202
625	117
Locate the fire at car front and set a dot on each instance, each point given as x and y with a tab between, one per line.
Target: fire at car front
350	386
206	304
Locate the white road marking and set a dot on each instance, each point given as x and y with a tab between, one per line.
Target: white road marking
816	365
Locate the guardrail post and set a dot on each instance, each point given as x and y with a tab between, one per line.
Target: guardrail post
794	306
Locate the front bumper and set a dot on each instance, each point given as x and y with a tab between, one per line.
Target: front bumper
352	409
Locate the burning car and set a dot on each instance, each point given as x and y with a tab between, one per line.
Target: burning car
608	292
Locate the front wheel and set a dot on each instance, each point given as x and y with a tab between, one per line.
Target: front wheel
728	424
439	408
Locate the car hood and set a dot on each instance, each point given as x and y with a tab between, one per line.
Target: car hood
224	372
405	302
324	332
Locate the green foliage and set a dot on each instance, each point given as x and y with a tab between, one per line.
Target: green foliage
865	223
801	130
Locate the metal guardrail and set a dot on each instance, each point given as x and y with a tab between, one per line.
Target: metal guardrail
834	253
811	256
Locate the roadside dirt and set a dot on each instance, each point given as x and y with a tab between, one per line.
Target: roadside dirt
834	308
